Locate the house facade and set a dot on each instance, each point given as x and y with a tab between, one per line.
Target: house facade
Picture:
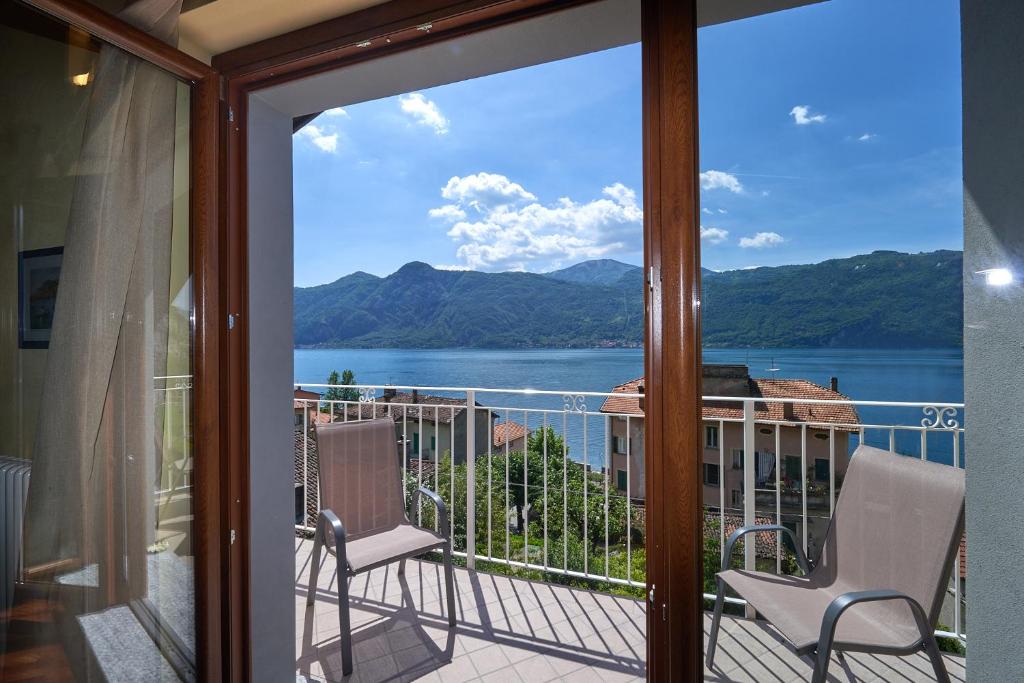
799	459
427	426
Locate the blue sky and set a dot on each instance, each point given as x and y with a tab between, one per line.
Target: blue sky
826	131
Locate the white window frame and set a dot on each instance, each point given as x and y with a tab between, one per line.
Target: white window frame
711	436
737	458
709	466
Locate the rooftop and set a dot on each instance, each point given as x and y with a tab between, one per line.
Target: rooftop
414	405
842	413
509	431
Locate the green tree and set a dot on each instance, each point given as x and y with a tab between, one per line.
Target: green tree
348	378
336	393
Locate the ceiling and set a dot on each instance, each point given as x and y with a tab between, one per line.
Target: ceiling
210	27
215	27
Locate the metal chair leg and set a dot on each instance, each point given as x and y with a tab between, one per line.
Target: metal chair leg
314	569
449	583
401	567
344	624
716	621
821	663
931	648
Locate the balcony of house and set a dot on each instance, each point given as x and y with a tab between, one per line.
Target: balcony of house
551	583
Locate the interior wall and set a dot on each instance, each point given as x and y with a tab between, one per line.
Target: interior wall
271	374
41	129
993	92
40	136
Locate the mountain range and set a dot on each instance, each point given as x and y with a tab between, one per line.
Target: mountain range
884	299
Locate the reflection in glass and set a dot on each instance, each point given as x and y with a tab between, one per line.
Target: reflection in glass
95	355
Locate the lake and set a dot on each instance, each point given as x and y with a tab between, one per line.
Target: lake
932	375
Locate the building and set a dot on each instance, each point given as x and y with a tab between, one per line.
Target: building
306	406
722	469
429	426
511	433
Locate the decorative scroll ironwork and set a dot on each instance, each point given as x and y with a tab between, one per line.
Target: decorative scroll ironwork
574	403
367	395
940	417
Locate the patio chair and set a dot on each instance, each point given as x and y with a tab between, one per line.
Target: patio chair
363	520
881	574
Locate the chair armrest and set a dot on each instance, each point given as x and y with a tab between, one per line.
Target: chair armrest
846	600
801	560
442	509
329	520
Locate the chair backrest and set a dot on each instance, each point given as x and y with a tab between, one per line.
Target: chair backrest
897	525
360	475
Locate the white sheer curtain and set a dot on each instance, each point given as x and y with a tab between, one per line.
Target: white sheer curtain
90	511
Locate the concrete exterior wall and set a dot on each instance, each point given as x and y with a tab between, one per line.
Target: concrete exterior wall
442	436
993	96
636	454
271	393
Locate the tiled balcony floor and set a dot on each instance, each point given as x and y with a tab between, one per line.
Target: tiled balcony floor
517	630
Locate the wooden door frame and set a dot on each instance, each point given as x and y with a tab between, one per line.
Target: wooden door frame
672	256
210	531
672	342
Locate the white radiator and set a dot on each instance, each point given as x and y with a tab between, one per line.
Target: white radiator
14	476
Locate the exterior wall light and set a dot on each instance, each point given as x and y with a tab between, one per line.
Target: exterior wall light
81	80
997	277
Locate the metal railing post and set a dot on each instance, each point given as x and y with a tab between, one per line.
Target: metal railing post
470	479
749	494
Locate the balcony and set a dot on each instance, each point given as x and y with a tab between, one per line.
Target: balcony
551	587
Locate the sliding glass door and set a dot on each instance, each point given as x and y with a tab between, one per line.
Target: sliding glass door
96	356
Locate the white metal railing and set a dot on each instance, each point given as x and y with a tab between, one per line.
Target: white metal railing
551	508
587	525
174	395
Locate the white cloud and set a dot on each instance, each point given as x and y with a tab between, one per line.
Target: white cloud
511	230
320	136
722	211
424	111
713	235
713	180
866	137
451	266
761	240
485	191
448	212
337	111
802	116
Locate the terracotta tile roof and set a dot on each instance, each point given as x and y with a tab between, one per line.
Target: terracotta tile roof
769	388
312	469
425	468
625	405
507	431
305	398
766	540
433	408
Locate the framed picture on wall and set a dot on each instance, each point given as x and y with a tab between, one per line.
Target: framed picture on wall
38	276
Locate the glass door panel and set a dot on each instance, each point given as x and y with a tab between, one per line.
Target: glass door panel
96	454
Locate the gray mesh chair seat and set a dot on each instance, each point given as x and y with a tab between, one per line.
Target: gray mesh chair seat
882	572
795	605
363	520
366	553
